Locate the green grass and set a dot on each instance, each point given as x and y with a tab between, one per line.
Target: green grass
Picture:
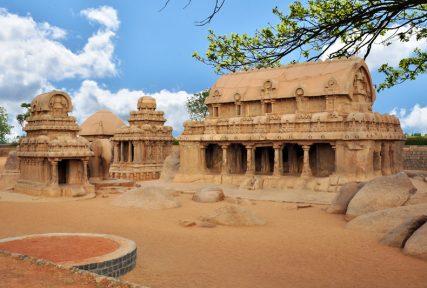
416	140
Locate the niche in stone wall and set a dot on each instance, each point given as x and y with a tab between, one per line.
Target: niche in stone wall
213	158
322	159
264	160
237	156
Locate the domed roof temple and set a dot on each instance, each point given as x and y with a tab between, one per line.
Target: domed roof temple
307	125
53	159
141	147
100	125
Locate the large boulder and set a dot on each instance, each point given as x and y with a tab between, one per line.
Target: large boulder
170	166
345	194
420	196
398	236
417	243
209	195
381	193
12	162
233	216
149	198
385	220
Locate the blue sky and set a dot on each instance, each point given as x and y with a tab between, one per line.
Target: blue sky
106	54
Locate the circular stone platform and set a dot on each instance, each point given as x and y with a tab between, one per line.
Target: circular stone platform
103	254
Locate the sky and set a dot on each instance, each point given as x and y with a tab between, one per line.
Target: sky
107	54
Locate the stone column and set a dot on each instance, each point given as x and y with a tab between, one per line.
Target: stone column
143	152
202	158
385	159
224	167
130	151
277	160
137	152
306	170
250	160
116	152
85	177
122	152
54	171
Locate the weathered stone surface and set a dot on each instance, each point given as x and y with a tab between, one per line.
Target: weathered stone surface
12	162
150	198
170	166
343	197
209	195
233	216
381	193
420	196
399	235
385	220
417	243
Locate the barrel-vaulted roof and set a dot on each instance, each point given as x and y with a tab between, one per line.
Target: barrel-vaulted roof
330	77
103	122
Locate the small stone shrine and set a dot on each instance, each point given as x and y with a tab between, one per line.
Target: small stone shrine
307	125
141	147
53	159
100	125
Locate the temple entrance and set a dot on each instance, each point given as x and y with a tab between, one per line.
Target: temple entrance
264	160
213	156
292	159
322	159
237	156
63	167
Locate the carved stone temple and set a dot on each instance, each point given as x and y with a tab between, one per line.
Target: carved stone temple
100	125
141	147
307	125
53	159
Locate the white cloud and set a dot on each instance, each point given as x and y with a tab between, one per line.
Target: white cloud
104	15
91	98
415	120
381	53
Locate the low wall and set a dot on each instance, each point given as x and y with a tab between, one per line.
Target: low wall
415	157
6	148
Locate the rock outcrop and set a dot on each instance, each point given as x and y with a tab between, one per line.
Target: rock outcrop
150	198
381	193
209	195
417	244
233	216
170	166
399	235
342	199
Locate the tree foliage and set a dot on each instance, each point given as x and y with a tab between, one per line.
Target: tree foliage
5	128
308	32
196	105
21	118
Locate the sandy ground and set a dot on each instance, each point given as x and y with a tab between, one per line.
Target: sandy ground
297	248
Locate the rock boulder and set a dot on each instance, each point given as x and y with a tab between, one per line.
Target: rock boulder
399	235
417	244
209	195
345	194
381	193
233	216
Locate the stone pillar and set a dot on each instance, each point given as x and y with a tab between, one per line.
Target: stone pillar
306	170
54	171
202	158
277	160
250	160
85	177
116	152
136	152
122	152
224	167
130	151
385	159
334	147
143	152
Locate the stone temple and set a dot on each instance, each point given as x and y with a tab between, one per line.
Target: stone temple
53	159
141	147
305	125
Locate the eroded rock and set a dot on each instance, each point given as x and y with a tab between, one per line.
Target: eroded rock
342	199
381	193
150	198
209	195
398	236
232	215
417	244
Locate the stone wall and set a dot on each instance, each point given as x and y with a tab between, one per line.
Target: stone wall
6	148
415	157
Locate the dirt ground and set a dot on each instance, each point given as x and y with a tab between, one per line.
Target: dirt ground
297	248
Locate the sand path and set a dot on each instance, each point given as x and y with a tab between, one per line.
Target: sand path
297	248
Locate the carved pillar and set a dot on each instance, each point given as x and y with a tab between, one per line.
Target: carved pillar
277	159
202	158
137	152
116	152
130	151
143	152
250	160
224	167
385	159
122	151
306	170
85	177
54	171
